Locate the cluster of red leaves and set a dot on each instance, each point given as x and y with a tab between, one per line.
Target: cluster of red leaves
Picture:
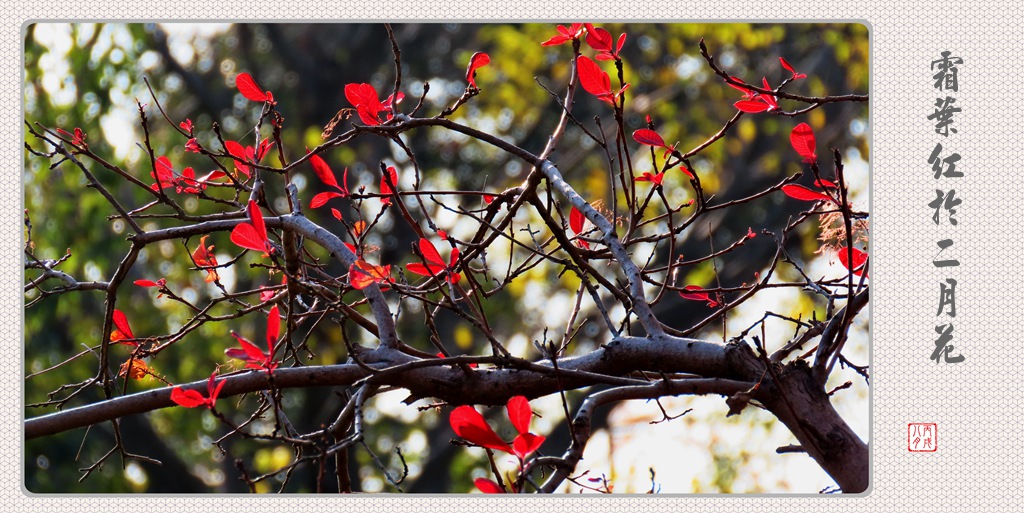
434	265
78	139
187	183
573	33
326	175
802	139
469	424
253	356
754	101
252	235
364	98
191	398
362	274
245	156
601	40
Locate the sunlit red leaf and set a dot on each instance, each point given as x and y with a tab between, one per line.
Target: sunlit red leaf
149	283
592	78
387	189
697	293
565	34
752	106
252	235
188	398
320	199
477	61
803	193
362	274
468	424
136	370
576	222
648	137
790	69
859	259
186	125
364	98
598	38
768	98
241	154
121	330
435	266
519	413
247	86
802	139
323	171
524	444
487	486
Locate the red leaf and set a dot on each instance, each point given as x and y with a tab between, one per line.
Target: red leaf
273	329
241	154
477	61
519	413
186	125
789	68
592	78
487	486
147	283
697	293
247	86
576	222
187	398
319	200
364	98
245	236
598	38
524	444
385	189
121	329
249	351
803	193
752	106
648	137
802	139
859	259
468	424
337	215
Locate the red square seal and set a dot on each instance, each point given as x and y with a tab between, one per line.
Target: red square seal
922	437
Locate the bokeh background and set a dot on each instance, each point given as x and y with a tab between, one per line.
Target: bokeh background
89	75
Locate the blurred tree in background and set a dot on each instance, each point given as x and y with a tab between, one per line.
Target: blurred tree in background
90	76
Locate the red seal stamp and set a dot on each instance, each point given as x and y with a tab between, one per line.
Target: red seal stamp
922	437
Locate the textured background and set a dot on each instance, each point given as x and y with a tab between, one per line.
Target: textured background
977	465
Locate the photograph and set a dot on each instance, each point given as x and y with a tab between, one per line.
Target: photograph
456	257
